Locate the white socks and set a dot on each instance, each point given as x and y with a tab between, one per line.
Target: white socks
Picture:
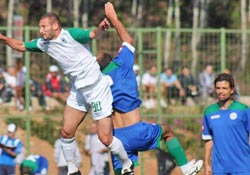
69	148
116	148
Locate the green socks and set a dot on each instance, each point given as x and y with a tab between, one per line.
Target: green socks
176	150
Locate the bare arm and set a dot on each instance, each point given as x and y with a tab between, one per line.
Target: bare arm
112	16
207	156
102	28
13	43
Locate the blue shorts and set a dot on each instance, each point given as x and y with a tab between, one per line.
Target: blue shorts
138	137
244	173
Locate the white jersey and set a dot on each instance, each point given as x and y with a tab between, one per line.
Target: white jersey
72	55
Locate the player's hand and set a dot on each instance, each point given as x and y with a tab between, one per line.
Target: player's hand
105	24
110	11
1	36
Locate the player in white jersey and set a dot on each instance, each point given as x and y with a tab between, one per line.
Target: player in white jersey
89	88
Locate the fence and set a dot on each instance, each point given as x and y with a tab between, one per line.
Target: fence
162	47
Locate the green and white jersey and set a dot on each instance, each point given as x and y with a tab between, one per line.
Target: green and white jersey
71	53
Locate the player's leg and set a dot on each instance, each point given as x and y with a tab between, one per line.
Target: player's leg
74	114
105	134
101	109
71	120
175	149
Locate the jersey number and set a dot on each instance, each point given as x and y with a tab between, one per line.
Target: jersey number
96	106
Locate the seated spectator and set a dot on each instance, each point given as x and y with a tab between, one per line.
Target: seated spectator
55	85
34	164
3	87
20	83
172	86
136	70
206	79
149	86
190	86
10	78
35	90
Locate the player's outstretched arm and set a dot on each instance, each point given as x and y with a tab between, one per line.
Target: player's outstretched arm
102	28
112	16
13	43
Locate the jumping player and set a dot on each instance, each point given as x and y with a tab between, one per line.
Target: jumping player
89	88
226	127
135	134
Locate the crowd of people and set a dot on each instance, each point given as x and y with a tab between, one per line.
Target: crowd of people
12	86
182	88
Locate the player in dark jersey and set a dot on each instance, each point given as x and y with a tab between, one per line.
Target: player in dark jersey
135	134
226	127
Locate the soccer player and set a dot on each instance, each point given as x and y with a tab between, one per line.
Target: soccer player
34	164
10	149
135	134
89	88
226	127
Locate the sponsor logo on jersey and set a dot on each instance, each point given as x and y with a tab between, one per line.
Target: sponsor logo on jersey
215	117
233	116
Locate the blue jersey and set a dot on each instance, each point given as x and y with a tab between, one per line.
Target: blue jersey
229	129
15	144
124	88
38	163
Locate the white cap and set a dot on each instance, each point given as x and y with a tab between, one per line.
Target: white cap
12	127
136	67
53	68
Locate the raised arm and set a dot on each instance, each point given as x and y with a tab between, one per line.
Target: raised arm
112	16
102	28
13	43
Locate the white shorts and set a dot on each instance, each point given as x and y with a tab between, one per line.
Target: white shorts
98	97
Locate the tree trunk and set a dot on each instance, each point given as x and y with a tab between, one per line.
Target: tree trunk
134	7
49	6
243	36
85	14
76	12
168	34
177	34
194	37
10	61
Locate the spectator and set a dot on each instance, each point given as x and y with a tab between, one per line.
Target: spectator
10	148
55	85
149	86
10	78
136	69
60	160
190	86
3	87
20	79
171	86
35	90
34	165
97	151
206	79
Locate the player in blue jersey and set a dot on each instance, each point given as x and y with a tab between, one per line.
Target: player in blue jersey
10	148
226	127
135	134
34	164
89	87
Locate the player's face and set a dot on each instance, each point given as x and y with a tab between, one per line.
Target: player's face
223	90
46	29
